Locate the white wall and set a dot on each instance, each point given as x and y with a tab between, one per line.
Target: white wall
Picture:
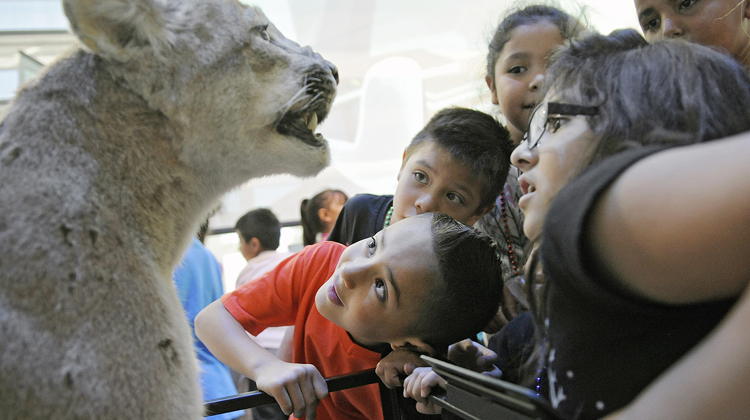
399	62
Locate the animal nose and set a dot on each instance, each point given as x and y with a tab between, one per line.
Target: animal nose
334	71
332	67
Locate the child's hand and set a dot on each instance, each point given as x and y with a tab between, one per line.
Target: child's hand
297	388
398	363
419	386
472	355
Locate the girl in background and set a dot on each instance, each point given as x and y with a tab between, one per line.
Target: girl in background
517	59
318	215
516	63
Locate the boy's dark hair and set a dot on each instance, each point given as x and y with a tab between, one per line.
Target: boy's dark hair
670	92
470	288
569	27
261	224
310	221
474	139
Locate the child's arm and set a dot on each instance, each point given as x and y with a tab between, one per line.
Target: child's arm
419	386
296	387
675	227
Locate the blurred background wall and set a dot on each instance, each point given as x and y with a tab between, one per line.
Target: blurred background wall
399	62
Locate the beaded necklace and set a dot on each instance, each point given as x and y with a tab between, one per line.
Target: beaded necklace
506	233
388	217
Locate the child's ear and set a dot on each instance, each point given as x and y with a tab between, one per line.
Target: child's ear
491	85
414	345
255	246
479	213
325	215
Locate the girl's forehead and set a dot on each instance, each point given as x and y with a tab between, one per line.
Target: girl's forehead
535	29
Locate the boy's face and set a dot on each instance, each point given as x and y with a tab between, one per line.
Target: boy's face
430	180
380	284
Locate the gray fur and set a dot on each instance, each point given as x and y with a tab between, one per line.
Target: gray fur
108	161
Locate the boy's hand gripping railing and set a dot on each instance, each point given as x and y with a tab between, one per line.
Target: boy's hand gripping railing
257	398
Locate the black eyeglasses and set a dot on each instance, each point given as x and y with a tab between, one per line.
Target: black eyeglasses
545	110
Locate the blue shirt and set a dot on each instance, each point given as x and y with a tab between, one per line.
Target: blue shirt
198	282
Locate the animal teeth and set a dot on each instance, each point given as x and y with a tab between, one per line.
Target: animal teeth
312	122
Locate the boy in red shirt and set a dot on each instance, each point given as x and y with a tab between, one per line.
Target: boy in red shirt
421	284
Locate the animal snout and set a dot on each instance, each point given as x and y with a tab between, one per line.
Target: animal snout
331	67
334	71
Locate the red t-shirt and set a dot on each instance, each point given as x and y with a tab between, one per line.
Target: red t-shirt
286	296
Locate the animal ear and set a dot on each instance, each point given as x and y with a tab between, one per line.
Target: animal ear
117	28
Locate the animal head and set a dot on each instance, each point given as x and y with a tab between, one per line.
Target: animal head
244	100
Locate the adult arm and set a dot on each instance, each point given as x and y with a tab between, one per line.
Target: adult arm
296	387
675	227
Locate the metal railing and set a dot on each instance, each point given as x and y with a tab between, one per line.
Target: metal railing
258	398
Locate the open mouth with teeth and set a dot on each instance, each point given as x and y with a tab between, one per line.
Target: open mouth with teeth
302	126
309	107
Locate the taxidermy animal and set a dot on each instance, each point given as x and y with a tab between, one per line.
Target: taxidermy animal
108	162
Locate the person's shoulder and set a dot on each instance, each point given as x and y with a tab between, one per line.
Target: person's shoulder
368	200
322	251
197	254
366	205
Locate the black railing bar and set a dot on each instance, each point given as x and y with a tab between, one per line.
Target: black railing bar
258	398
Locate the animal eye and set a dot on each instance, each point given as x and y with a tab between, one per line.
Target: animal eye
264	33
455	198
420	177
371	245
381	290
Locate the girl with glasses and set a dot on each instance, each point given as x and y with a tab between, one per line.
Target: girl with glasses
644	244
